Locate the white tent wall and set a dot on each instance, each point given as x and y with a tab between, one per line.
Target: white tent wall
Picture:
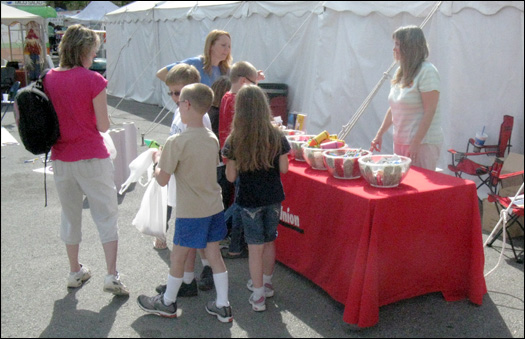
265	42
337	57
130	66
480	59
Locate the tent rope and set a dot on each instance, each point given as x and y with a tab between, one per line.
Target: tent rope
233	15
320	3
350	125
118	58
153	124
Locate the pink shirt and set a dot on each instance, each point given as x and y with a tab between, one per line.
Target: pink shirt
72	93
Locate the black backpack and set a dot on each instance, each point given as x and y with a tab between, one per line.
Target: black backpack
37	120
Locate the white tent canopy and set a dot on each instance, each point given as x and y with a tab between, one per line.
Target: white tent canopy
11	15
94	12
331	54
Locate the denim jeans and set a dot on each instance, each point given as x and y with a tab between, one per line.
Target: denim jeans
260	223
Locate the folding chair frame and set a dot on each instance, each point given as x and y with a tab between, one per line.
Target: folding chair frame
503	203
11	98
462	164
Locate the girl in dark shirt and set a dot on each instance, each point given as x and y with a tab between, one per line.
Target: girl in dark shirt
257	155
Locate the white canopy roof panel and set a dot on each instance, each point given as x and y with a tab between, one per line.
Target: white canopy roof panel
12	15
95	11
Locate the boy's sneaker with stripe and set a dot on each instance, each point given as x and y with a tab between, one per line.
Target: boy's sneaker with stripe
76	279
224	314
155	305
268	289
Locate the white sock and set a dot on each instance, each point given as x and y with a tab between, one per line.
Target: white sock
170	296
258	293
188	277
205	262
221	286
267	279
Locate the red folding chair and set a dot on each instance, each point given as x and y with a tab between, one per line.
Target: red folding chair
462	164
503	203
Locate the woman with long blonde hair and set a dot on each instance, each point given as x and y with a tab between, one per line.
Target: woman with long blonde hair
414	101
214	62
257	154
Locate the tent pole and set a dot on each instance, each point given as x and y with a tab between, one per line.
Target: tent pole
10	43
22	31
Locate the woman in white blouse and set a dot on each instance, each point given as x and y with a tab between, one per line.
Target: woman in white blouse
414	102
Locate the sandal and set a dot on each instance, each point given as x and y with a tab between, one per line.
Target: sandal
159	244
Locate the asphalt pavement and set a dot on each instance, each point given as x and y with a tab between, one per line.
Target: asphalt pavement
36	303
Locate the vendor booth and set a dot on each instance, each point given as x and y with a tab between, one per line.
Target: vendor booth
22	40
365	246
331	54
45	12
368	247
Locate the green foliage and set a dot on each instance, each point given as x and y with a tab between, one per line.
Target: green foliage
79	5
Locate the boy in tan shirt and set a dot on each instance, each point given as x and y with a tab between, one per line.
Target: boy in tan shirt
193	157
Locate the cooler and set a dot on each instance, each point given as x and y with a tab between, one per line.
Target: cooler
278	98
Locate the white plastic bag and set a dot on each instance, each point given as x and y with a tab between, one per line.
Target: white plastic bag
137	167
109	145
151	217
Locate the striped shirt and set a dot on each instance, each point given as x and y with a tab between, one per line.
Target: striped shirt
407	107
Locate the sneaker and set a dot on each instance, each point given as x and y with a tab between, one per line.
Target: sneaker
227	255
155	305
206	281
224	314
268	288
258	305
112	284
224	243
186	290
76	279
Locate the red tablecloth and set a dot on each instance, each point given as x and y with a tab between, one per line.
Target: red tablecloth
368	247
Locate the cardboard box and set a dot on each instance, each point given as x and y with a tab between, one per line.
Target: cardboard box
513	163
491	217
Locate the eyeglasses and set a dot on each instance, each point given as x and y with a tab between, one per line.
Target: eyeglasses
174	93
253	82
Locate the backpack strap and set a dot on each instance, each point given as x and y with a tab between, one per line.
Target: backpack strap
40	86
45	182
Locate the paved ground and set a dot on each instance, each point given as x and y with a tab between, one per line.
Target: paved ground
36	303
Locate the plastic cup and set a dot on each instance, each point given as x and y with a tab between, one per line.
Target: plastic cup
480	139
5	97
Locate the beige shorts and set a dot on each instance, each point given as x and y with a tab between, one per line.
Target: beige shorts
94	179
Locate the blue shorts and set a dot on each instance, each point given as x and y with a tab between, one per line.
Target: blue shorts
198	232
260	223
